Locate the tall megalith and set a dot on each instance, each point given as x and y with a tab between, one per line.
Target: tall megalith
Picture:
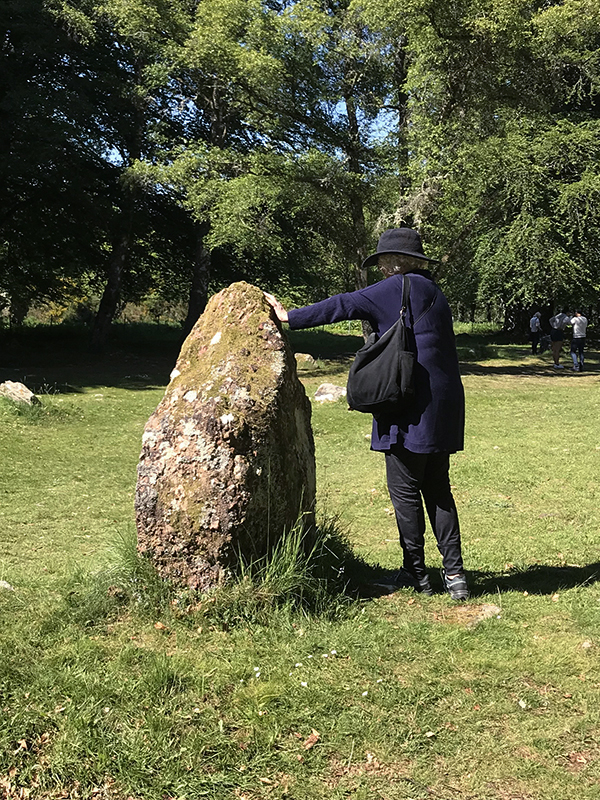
227	462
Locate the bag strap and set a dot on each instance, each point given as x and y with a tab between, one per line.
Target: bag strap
405	297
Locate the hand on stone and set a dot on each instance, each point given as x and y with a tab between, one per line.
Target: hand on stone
280	311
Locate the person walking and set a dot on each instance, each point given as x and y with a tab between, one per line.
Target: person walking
557	335
535	331
579	323
417	442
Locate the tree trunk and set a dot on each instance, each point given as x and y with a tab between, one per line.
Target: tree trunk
112	292
200	277
516	321
18	310
402	98
125	226
361	276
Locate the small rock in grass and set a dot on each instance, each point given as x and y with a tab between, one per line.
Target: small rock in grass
18	393
304	358
329	393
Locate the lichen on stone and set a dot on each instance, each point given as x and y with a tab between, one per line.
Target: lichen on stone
227	462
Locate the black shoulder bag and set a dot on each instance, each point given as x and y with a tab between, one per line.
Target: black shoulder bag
381	379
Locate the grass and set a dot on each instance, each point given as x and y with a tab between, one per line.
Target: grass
113	686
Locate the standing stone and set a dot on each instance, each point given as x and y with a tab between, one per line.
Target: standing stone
227	462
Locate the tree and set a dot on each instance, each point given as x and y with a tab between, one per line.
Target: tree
53	177
140	40
503	125
282	142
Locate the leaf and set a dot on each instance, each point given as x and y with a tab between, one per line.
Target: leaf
311	741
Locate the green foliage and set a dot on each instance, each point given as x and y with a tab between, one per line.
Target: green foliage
35	414
309	571
277	139
504	137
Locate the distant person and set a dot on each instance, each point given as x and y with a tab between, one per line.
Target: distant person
417	441
579	323
557	335
535	331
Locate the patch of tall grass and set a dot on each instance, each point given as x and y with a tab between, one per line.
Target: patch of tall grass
39	413
125	580
309	570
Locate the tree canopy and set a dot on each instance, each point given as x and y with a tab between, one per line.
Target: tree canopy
152	147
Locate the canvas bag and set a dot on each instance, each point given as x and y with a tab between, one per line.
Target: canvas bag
381	379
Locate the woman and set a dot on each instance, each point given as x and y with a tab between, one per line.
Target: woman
416	443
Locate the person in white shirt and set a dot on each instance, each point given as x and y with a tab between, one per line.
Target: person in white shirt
579	323
557	335
535	330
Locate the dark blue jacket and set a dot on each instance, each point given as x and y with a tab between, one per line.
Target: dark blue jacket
435	423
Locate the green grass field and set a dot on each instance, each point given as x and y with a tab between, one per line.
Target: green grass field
108	692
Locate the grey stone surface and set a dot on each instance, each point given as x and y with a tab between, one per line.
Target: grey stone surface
304	358
227	462
329	393
18	393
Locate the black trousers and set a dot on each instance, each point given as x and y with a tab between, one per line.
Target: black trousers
410	475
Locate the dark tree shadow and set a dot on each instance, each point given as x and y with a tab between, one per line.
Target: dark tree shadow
537	370
53	360
325	370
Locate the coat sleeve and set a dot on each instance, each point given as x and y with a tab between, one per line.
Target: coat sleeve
350	305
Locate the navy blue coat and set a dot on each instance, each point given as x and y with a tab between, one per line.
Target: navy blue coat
436	421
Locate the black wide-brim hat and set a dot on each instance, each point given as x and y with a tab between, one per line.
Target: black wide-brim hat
404	241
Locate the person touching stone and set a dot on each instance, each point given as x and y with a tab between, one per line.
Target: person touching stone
416	442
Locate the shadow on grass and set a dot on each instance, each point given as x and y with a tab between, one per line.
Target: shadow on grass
536	370
57	359
326	370
475	350
536	579
321	344
540	579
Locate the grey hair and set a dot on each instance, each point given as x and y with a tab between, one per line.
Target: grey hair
397	263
